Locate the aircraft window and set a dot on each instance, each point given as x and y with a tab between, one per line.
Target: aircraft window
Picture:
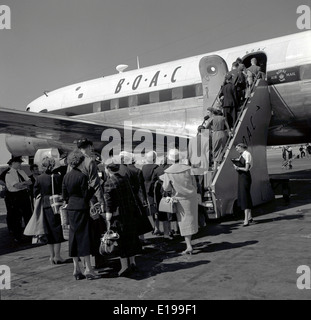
143	99
154	97
123	102
80	95
78	88
211	70
133	101
189	91
177	93
198	90
165	95
114	104
105	105
305	72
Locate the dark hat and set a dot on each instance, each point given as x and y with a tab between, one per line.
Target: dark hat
84	143
15	159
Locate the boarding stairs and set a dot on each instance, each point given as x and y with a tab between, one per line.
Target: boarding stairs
251	128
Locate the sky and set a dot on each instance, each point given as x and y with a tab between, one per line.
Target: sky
56	43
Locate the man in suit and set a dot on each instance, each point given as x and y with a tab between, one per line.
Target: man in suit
254	69
230	101
239	81
17	183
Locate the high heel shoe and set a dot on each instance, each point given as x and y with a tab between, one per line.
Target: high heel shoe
246	224
125	273
187	251
79	275
251	220
59	261
91	276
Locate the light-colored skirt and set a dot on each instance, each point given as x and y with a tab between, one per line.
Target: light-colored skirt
187	215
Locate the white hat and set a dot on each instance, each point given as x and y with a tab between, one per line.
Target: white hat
128	157
173	155
151	156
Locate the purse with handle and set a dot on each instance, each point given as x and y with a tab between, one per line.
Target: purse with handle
167	206
56	200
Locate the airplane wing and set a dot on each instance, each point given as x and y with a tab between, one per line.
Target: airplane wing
66	130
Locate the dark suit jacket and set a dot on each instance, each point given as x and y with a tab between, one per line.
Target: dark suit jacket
75	190
230	96
136	180
43	186
148	170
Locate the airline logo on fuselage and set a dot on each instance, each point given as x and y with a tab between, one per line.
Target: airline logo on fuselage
284	75
152	81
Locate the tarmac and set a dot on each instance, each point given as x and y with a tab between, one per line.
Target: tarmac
230	262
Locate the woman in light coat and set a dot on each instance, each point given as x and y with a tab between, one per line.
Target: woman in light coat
178	179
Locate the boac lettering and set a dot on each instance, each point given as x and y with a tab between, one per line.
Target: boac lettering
119	86
136	82
154	81
173	75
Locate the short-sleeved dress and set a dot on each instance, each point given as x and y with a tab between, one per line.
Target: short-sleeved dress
244	187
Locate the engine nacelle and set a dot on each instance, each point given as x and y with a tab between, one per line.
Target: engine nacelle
24	146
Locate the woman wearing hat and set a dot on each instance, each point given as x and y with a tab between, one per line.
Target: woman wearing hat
219	125
244	182
43	187
77	196
121	214
18	183
178	179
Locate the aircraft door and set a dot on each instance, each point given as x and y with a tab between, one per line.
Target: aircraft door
213	70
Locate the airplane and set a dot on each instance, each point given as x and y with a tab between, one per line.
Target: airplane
167	97
151	105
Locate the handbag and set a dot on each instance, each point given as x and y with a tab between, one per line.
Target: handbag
64	221
95	211
39	239
56	200
36	225
108	242
167	206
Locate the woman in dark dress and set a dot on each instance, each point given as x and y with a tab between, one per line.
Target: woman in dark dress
43	187
76	196
244	182
122	217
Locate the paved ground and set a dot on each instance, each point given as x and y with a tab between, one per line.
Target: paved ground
229	262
